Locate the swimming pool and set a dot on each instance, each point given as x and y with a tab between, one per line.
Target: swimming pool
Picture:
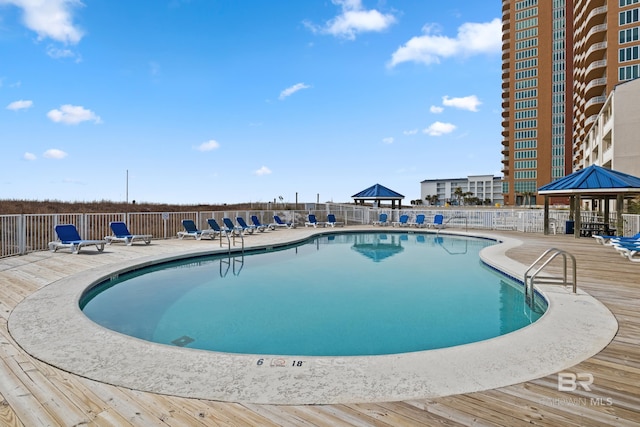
333	295
49	325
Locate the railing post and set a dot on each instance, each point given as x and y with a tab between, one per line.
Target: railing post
22	235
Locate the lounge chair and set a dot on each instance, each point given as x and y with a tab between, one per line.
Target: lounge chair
627	248
190	230
438	221
607	240
122	234
256	222
382	220
230	228
402	221
213	224
331	221
278	222
68	237
245	227
312	221
419	222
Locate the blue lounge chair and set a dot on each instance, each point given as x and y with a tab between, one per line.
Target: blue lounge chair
402	221
278	222
438	221
382	220
213	224
607	240
331	221
190	230
256	222
312	221
245	227
629	250
230	227
419	222
68	237
121	233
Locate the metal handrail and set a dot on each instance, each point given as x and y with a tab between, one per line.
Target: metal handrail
226	233
466	221
550	254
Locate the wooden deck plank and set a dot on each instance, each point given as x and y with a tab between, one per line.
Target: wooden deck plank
33	393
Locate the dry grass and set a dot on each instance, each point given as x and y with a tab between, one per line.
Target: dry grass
8	207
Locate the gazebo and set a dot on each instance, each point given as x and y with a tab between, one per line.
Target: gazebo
377	193
594	182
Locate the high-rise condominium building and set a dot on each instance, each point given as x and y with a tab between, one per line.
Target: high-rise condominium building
561	60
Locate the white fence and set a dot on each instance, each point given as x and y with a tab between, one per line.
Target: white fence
21	234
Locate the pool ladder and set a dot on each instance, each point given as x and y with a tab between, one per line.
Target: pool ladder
233	237
533	274
466	222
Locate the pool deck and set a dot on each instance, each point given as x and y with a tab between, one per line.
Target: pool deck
35	393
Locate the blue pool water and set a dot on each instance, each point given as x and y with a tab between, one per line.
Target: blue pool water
346	294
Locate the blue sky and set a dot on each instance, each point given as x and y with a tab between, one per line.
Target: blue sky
206	101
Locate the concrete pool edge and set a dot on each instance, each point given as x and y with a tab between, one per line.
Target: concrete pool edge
575	328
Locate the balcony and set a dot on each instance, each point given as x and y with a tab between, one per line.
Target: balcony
595	87
594	105
596	34
505	112
595	52
597	16
595	69
589	120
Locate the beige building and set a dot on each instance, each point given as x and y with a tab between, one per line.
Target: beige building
614	138
562	60
486	188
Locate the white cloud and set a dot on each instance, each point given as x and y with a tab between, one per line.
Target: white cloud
72	115
293	89
20	105
439	128
29	156
263	171
50	18
354	19
54	153
410	132
57	53
430	48
465	103
388	140
436	110
208	146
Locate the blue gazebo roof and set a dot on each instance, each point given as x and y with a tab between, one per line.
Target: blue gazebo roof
378	191
593	180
